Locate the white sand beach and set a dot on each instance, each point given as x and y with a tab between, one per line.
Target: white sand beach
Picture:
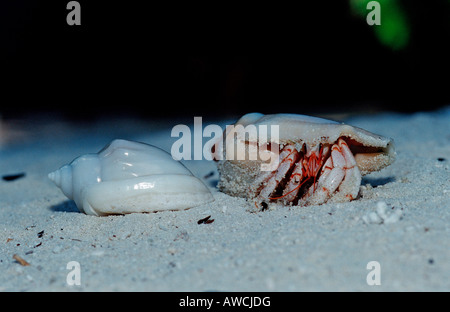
401	220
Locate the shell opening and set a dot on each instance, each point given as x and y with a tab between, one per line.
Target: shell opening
371	158
300	167
298	170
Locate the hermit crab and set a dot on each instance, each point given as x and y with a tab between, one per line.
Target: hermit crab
316	160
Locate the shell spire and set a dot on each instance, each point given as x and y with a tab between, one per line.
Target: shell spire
55	176
63	179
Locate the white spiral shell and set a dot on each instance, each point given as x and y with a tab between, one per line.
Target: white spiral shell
126	177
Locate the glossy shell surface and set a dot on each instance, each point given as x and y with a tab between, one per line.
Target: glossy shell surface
127	177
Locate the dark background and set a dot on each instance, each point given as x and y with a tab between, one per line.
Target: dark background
133	58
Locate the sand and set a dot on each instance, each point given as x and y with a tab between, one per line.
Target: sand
401	220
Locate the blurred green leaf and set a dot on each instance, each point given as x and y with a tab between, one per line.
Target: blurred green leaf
394	30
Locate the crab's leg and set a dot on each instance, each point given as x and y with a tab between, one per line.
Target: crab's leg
305	170
289	157
349	187
264	177
333	172
292	188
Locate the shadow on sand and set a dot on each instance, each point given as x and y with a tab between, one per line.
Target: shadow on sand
375	182
65	206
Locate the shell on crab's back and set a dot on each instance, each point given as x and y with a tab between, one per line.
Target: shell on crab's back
372	151
311	130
